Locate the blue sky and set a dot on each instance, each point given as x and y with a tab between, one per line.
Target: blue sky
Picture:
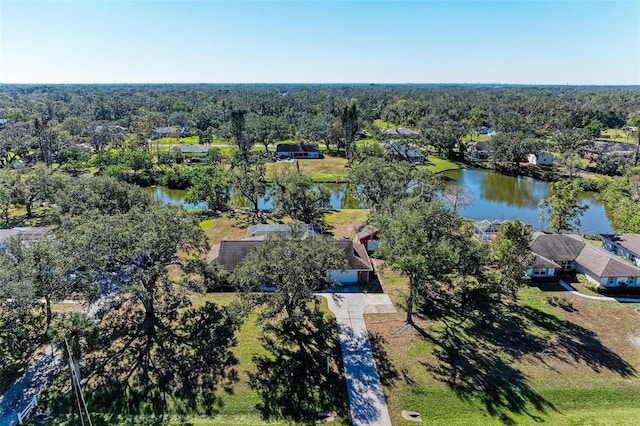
542	42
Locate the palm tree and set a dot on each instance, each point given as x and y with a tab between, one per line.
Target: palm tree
76	333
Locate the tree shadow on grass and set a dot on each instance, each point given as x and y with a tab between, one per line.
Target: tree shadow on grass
476	357
153	370
292	378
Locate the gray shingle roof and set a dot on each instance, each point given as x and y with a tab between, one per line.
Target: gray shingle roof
402	149
543	262
402	131
602	263
597	260
630	242
193	149
556	247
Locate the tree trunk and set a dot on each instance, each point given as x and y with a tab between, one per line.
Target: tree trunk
28	205
410	301
48	309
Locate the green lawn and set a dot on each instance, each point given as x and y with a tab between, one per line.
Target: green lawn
618	135
384	124
328	169
237	405
438	165
341	222
543	364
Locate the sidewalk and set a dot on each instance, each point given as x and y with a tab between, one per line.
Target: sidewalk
366	397
604	298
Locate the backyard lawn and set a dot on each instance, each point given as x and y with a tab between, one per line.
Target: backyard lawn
340	223
328	169
539	364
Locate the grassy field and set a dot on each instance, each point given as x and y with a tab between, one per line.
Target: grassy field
225	226
328	169
618	135
238	403
539	364
439	165
340	222
384	124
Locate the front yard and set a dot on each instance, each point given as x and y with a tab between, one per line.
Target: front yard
537	363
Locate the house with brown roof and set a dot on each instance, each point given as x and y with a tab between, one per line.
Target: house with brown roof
367	235
230	254
557	253
625	245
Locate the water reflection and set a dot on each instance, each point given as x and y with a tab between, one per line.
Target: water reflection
495	197
506	197
340	198
520	191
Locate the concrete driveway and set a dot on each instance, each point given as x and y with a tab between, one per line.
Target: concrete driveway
366	397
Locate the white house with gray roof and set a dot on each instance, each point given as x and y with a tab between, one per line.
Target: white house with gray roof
625	245
556	253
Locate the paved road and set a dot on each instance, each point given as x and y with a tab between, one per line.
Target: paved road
33	382
366	397
46	366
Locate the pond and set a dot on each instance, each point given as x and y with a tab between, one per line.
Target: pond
339	198
495	196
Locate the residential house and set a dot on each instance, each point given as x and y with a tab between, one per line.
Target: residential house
403	152
625	245
400	131
540	158
114	128
229	254
297	150
478	151
599	149
192	149
367	235
85	148
163	132
557	253
3	121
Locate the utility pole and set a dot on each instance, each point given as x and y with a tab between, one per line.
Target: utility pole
75	384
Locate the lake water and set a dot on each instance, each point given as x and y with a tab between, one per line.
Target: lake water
339	198
495	196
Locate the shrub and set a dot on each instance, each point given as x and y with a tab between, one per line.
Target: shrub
584	281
